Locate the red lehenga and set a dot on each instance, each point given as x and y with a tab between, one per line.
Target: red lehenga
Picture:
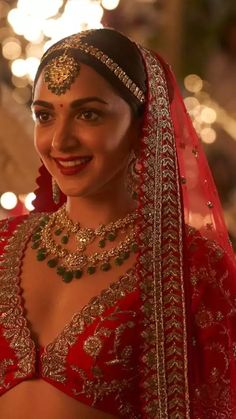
180	298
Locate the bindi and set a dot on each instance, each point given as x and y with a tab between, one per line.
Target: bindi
61	105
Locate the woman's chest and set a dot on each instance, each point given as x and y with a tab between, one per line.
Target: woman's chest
49	303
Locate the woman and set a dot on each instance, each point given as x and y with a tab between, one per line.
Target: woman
151	280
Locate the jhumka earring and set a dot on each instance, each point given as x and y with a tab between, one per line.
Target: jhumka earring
55	192
133	172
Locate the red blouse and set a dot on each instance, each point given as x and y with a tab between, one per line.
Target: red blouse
94	359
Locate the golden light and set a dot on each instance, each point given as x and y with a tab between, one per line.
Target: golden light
40	9
33	33
42	23
32	64
19	68
28	201
8	200
17	20
11	48
19	81
110	4
33	50
50	27
193	83
191	103
208	135
208	115
80	15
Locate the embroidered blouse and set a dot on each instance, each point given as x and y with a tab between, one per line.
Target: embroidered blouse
94	359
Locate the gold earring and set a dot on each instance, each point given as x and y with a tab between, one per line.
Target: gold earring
133	172
55	192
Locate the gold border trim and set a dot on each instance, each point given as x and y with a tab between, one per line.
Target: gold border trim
165	368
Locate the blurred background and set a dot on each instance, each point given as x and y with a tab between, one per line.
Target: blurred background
198	39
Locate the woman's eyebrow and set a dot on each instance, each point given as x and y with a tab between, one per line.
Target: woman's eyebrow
43	103
75	104
79	102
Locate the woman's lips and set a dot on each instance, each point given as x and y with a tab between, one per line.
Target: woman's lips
72	166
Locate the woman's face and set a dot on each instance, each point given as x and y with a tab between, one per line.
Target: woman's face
84	136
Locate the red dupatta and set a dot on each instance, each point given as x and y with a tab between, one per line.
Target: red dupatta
186	266
187	271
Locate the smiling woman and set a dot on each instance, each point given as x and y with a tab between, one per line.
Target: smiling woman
117	295
85	141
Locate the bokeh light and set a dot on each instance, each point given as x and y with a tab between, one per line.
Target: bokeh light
193	83
8	200
110	4
28	201
208	115
208	135
11	48
19	68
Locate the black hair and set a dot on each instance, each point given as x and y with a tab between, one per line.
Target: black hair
121	50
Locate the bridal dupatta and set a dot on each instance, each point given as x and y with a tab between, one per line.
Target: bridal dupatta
186	266
187	270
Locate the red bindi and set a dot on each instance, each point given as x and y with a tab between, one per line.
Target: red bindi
61	105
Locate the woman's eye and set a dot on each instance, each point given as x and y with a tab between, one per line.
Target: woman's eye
89	115
41	116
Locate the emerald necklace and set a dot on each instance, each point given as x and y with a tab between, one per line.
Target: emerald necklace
52	236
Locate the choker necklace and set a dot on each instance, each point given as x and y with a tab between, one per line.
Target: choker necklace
68	264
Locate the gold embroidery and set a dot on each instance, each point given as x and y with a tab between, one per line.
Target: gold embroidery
4	224
14	324
93	346
98	389
54	357
214	397
165	358
4	364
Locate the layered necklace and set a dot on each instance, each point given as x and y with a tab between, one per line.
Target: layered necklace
52	236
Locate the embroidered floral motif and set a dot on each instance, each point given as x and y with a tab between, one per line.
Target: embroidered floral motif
4	364
54	357
213	398
93	345
98	389
12	319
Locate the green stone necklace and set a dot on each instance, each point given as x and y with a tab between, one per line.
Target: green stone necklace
70	265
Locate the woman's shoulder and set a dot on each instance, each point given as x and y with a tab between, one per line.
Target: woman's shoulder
9	225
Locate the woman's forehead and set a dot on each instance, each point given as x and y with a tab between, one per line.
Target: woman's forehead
87	83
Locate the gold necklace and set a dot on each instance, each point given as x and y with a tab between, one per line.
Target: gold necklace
71	265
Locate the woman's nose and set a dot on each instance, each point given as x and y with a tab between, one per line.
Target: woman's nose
64	137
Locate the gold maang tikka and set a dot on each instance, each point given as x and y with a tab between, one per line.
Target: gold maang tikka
61	71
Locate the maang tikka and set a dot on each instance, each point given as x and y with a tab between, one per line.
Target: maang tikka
62	70
55	192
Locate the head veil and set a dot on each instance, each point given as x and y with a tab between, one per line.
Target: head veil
185	266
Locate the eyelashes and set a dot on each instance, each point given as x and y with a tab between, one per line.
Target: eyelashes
89	115
41	116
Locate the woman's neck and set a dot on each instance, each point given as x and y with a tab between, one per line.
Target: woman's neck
101	208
